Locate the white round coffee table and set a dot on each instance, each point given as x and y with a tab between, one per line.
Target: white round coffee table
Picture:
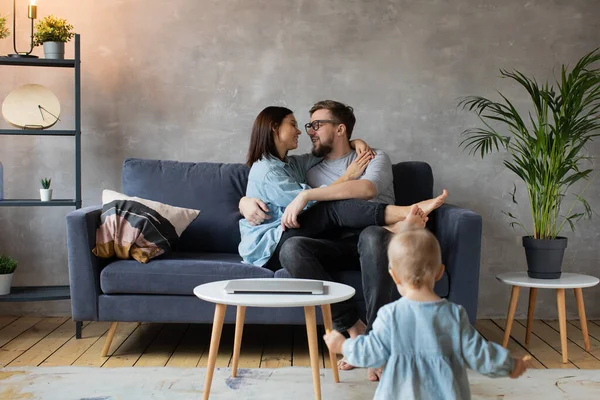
566	281
214	292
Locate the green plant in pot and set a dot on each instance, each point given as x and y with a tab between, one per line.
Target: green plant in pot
4	32
546	150
53	33
45	191
7	268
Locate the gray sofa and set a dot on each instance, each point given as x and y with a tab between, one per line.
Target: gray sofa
161	291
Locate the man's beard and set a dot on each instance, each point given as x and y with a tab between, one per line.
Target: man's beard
322	150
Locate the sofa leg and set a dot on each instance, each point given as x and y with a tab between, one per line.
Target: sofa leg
78	327
109	338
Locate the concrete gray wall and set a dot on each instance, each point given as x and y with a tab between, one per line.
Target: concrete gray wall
184	80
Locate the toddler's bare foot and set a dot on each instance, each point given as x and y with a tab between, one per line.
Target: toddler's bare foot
374	374
416	218
429	205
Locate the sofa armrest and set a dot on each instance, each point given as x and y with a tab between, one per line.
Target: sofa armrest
459	233
84	267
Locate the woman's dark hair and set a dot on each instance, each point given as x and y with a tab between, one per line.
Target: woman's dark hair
262	142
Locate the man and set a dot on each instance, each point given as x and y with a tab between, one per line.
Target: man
330	128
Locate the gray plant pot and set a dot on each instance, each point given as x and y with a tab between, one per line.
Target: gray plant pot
544	256
5	283
54	50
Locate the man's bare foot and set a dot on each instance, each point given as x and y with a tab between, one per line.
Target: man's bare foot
416	218
374	374
429	205
359	328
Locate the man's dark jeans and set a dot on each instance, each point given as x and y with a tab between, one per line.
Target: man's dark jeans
307	253
329	216
311	258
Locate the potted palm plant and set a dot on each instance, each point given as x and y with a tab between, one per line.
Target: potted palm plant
7	268
546	150
53	33
4	32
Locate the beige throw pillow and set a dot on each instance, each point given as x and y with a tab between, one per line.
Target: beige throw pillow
138	228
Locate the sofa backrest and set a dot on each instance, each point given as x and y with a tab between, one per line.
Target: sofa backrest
413	182
215	189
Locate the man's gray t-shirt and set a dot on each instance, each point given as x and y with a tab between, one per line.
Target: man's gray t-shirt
379	171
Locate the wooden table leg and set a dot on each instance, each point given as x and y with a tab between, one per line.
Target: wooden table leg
237	343
313	347
109	338
326	308
562	323
215	339
582	318
512	307
532	296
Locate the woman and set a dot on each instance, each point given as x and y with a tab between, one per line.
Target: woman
278	180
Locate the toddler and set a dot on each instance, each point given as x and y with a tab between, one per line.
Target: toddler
425	342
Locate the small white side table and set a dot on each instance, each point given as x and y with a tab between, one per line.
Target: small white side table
214	292
566	281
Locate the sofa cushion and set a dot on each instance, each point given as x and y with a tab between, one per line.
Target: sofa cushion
413	182
213	188
177	275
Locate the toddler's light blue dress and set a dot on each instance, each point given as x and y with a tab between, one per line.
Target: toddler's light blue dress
426	348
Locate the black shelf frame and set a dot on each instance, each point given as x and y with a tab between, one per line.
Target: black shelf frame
37	132
37	293
37	203
39	62
44	293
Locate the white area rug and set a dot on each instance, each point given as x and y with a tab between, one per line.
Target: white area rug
81	383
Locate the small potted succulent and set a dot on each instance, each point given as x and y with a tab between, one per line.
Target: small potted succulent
45	191
53	33
7	269
4	32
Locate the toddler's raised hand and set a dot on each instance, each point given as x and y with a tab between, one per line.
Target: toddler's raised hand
334	341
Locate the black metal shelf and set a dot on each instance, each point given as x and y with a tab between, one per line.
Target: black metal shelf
36	293
37	132
36	62
42	293
75	133
37	203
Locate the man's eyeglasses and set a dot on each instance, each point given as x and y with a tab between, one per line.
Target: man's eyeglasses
316	124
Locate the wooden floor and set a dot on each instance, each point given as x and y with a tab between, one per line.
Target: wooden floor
33	341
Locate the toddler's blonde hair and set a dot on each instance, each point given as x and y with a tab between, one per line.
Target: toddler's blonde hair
415	256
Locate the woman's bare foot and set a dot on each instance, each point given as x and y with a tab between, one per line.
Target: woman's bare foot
374	374
429	205
416	218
